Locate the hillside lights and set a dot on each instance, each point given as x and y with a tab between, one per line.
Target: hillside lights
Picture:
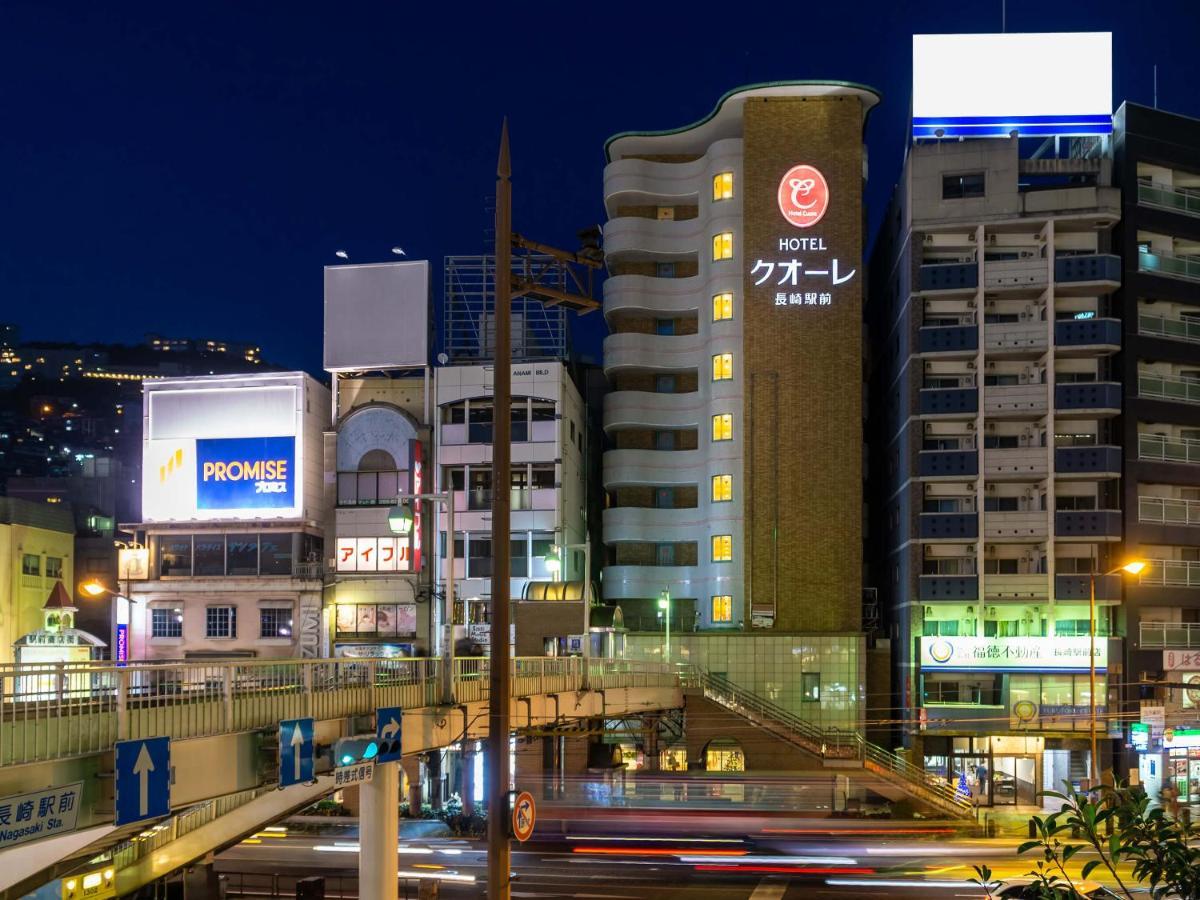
400	518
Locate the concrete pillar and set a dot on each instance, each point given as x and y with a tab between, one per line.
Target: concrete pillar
651	743
412	769
466	780
433	766
379	833
200	882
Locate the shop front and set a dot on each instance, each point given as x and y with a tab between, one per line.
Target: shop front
1004	720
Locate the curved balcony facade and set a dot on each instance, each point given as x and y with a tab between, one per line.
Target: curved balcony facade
646	409
653	467
647	295
652	353
650	525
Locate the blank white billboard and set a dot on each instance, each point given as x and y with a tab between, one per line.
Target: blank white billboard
989	85
376	316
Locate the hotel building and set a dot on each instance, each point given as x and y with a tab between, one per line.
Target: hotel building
734	417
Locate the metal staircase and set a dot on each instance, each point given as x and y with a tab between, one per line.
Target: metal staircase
835	747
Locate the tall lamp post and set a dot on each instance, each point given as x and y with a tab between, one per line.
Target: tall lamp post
400	521
93	588
1132	567
664	603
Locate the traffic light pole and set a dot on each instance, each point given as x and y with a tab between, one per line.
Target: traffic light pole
499	856
379	833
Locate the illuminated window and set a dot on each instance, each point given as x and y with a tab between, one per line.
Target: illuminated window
722	307
723	245
723	186
722	366
722	488
722	427
722	547
722	608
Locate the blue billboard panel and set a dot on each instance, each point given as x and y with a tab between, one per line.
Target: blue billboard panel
245	473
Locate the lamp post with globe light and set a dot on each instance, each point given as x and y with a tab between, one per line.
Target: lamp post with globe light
554	563
400	522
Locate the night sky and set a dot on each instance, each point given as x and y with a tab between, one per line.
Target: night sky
188	169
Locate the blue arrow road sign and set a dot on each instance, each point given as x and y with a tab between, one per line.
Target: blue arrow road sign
143	779
296	752
387	732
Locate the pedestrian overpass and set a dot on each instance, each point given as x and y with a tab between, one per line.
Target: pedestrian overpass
59	725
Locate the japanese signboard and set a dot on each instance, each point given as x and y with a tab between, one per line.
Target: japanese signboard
39	814
385	554
1181	660
359	773
1007	654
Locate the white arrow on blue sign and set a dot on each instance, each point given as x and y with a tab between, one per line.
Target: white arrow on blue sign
143	780
387	733
296	752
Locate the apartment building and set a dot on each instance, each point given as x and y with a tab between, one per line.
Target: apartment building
997	452
734	417
233	512
1157	164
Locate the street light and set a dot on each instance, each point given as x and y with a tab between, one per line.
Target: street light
553	563
664	603
1133	567
93	587
400	521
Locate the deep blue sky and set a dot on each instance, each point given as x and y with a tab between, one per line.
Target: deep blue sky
188	168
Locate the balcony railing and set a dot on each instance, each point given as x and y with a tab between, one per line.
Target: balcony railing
1168	197
1169	635
1169	387
1186	267
1165	327
1171	573
1165	449
1168	511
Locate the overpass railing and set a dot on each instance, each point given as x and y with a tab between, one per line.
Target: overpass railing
60	710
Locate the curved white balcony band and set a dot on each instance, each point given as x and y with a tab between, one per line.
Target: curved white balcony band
653	467
644	293
633	409
639	582
634	238
647	182
653	352
647	525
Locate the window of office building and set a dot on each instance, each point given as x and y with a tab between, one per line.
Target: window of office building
722	488
722	307
209	554
722	547
722	366
479	559
723	186
220	622
959	187
722	608
53	567
275	554
723	245
166	623
241	554
722	427
175	555
810	687
31	564
275	622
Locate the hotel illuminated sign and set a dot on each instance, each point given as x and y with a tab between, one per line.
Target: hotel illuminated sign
806	276
1011	654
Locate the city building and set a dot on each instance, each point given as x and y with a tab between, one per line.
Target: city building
37	544
734	417
997	448
1157	165
234	507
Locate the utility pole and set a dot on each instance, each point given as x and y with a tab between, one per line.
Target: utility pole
499	852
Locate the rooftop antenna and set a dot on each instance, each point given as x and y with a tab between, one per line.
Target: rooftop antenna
1003	16
1156	85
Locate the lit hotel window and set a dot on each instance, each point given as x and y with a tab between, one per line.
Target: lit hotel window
722	366
723	427
722	547
722	488
723	245
723	186
722	608
722	307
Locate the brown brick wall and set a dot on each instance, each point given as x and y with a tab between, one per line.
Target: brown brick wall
643	497
683	268
682	213
802	420
646	554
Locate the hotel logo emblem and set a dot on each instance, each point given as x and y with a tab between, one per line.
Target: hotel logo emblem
803	196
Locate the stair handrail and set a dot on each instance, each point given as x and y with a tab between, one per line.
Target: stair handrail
825	738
